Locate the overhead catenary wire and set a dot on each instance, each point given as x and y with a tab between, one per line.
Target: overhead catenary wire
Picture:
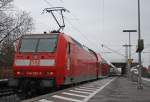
48	3
113	50
75	28
83	34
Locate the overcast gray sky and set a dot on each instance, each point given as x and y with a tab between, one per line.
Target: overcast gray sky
96	22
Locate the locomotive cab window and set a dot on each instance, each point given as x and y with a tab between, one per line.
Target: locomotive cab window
28	45
39	44
47	45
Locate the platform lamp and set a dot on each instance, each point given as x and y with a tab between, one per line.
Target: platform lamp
129	58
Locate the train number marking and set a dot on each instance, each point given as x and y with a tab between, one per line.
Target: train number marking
35	62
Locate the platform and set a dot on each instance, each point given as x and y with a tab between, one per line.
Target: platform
123	90
79	93
117	89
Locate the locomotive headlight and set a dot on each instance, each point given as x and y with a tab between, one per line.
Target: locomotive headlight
51	73
18	73
22	62
47	62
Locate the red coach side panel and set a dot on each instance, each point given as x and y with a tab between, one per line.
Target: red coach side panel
105	68
99	69
83	62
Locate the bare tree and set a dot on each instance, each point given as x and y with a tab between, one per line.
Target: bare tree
16	26
5	4
12	26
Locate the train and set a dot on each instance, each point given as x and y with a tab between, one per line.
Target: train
105	68
54	60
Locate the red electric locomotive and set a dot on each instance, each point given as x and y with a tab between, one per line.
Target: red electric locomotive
52	60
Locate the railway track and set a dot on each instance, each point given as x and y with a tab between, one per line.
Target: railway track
6	92
8	95
12	95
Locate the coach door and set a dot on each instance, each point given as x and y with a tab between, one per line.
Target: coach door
69	63
68	57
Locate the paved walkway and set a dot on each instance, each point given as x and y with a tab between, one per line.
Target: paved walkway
80	93
122	90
